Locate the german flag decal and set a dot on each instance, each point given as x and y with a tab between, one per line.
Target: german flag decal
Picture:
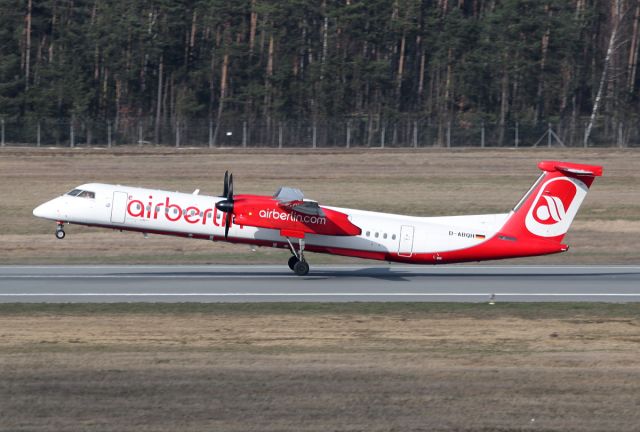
480	236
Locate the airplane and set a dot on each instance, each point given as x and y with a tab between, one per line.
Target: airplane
535	226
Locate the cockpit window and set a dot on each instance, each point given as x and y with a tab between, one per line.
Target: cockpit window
87	194
81	193
74	192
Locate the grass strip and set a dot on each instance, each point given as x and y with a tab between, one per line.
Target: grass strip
528	310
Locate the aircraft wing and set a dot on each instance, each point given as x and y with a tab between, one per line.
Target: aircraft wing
292	199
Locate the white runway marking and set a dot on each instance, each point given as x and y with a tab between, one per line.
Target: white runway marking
153	276
315	294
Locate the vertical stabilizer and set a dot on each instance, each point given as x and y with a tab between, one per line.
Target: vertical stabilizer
547	210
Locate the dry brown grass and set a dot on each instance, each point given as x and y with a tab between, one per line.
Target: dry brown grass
423	182
317	372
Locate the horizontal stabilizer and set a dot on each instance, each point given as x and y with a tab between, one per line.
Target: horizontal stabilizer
569	168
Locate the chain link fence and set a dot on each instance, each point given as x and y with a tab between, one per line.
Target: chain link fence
346	133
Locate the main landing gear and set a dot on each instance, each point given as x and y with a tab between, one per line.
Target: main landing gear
297	263
60	231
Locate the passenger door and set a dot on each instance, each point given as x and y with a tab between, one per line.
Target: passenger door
119	207
405	246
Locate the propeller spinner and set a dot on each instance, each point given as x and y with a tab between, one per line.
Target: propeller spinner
226	205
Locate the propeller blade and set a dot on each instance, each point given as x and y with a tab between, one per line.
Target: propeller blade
226	184
227	225
230	191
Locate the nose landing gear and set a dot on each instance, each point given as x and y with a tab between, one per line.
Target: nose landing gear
60	231
297	263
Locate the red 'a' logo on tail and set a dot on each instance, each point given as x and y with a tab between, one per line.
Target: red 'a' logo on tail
552	205
555	206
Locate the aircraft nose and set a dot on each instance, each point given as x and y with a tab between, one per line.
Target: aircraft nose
45	210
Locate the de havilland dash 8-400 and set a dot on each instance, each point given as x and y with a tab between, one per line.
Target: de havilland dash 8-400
535	226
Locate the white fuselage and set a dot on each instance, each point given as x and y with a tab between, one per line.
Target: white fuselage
190	215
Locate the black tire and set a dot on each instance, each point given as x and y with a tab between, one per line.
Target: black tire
292	262
301	268
60	234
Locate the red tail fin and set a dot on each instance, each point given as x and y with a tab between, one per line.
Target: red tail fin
547	210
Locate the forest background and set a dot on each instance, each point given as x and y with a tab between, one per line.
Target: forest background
360	71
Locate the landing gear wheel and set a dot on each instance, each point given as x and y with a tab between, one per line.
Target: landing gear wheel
60	234
292	262
301	268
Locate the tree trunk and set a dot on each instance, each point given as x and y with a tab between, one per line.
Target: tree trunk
268	75
633	52
223	95
400	71
504	103
603	79
253	25
325	39
156	131
540	92
27	62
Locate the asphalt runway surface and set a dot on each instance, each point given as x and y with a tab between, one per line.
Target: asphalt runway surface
258	283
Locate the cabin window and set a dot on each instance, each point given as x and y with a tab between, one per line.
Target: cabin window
393	237
368	233
137	206
385	235
377	235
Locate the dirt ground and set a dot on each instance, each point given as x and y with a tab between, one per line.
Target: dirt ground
417	182
467	369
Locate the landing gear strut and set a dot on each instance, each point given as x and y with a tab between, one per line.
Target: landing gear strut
297	263
60	231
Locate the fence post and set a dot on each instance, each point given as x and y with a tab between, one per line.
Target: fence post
139	133
2	138
38	134
382	136
244	134
314	135
279	135
72	138
108	134
549	135
449	134
620	140
210	133
177	134
348	134
482	136
415	134
517	134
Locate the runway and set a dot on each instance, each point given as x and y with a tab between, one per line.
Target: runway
249	283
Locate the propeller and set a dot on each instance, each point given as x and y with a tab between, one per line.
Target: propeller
226	184
226	205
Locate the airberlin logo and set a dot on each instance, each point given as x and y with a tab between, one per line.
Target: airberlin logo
173	212
273	214
555	206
